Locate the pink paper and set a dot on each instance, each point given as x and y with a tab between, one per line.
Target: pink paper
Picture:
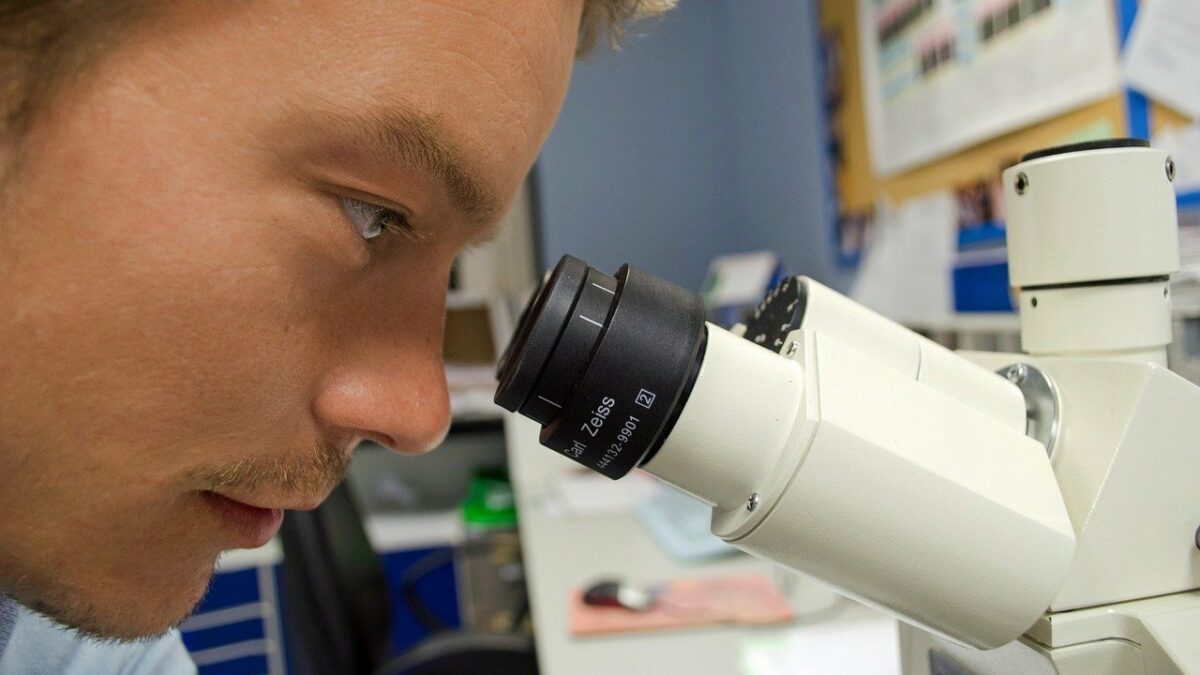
745	599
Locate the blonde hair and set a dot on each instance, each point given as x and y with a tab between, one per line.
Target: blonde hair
609	18
43	41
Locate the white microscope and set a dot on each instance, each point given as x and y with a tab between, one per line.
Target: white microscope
1019	513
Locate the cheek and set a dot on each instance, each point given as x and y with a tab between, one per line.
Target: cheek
401	301
186	305
197	325
159	351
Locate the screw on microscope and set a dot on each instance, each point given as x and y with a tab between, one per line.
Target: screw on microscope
793	347
1170	170
1022	183
1017	373
752	503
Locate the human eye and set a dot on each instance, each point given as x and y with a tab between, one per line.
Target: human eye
373	220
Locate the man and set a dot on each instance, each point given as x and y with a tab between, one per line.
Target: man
225	234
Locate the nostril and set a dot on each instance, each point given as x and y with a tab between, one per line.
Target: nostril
401	403
381	439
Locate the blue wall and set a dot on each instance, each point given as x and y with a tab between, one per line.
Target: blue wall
632	171
702	136
778	124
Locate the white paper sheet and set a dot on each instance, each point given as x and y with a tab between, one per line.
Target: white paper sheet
906	275
740	278
859	647
583	493
1162	58
956	72
1183	144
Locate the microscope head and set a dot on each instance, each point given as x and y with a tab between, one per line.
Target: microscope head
824	437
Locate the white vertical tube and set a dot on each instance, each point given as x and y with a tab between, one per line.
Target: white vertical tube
1092	237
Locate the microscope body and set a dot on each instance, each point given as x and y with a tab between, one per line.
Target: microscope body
1127	459
1089	255
1021	513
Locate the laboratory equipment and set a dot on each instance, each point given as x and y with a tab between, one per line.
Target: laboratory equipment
1030	512
616	593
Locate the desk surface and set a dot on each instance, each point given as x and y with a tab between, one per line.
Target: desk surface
564	553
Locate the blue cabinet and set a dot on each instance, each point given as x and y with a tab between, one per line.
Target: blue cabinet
239	627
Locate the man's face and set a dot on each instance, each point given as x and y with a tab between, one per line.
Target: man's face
190	305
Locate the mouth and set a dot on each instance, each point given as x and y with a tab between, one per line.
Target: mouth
249	526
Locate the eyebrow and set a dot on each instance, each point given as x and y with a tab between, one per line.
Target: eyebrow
419	141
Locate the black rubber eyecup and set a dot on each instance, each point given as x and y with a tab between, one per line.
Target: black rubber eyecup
541	323
604	363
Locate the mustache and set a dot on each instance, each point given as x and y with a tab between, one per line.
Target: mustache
318	470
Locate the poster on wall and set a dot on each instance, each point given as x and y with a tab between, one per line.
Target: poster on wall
853	228
940	75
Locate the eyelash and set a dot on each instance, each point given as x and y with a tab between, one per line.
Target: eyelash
379	220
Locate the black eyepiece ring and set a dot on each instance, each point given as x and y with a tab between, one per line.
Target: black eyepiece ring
604	363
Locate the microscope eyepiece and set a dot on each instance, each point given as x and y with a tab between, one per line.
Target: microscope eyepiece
604	363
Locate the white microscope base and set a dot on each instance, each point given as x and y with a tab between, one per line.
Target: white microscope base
1157	636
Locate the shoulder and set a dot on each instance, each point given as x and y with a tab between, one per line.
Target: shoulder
37	645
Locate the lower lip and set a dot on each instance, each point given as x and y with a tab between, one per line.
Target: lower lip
250	526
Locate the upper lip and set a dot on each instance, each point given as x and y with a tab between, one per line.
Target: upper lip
284	502
271	499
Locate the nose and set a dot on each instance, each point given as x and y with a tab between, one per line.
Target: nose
386	381
405	407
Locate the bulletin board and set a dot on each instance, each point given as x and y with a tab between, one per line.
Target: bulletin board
1161	116
910	214
859	187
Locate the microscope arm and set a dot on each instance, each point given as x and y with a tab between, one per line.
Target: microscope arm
846	458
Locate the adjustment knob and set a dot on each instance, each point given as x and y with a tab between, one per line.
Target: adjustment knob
780	313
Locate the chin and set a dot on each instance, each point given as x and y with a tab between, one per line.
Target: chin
139	611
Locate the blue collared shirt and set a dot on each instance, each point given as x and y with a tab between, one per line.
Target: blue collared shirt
31	644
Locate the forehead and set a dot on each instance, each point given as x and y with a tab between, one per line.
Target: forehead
491	75
498	64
